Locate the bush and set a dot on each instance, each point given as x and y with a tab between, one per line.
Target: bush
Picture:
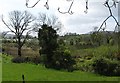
18	60
117	55
35	60
85	66
106	67
63	60
117	70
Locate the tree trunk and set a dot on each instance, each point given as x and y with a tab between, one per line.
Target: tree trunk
19	51
19	47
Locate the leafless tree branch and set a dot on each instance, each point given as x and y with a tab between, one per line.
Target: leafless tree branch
86	7
48	20
103	23
110	12
69	10
108	3
32	5
7	25
26	36
46	4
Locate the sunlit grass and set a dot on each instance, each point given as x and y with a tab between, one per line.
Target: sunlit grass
14	72
0	67
97	51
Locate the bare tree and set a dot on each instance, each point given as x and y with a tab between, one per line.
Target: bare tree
19	24
44	19
107	4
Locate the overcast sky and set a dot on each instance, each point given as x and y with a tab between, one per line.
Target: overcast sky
79	22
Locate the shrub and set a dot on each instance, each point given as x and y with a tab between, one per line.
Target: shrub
106	66
18	60
85	66
117	55
63	60
35	60
117	70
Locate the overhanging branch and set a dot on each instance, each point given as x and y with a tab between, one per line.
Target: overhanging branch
107	4
7	25
111	14
32	5
69	10
46	4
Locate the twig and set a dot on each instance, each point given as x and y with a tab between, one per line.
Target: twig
69	10
7	25
46	5
86	7
103	22
33	4
111	14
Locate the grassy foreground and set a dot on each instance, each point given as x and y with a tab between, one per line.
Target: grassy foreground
0	68
13	72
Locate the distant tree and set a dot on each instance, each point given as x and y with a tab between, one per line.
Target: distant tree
61	41
33	44
71	42
19	24
96	38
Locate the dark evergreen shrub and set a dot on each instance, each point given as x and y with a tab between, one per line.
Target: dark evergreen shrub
18	60
63	60
35	60
106	67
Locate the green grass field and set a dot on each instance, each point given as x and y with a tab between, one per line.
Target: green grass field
13	72
0	68
96	51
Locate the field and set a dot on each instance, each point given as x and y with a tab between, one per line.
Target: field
32	72
0	68
82	51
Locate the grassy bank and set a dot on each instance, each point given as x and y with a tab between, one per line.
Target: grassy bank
13	72
0	68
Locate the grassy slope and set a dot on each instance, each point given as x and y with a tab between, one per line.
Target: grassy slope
0	68
97	51
13	72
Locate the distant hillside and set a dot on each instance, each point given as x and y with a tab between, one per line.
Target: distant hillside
9	36
66	35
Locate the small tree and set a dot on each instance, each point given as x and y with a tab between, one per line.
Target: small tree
62	59
47	37
19	24
96	38
54	54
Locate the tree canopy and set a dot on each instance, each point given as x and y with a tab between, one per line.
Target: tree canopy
19	24
47	37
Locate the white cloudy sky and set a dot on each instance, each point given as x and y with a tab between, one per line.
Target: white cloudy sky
79	22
